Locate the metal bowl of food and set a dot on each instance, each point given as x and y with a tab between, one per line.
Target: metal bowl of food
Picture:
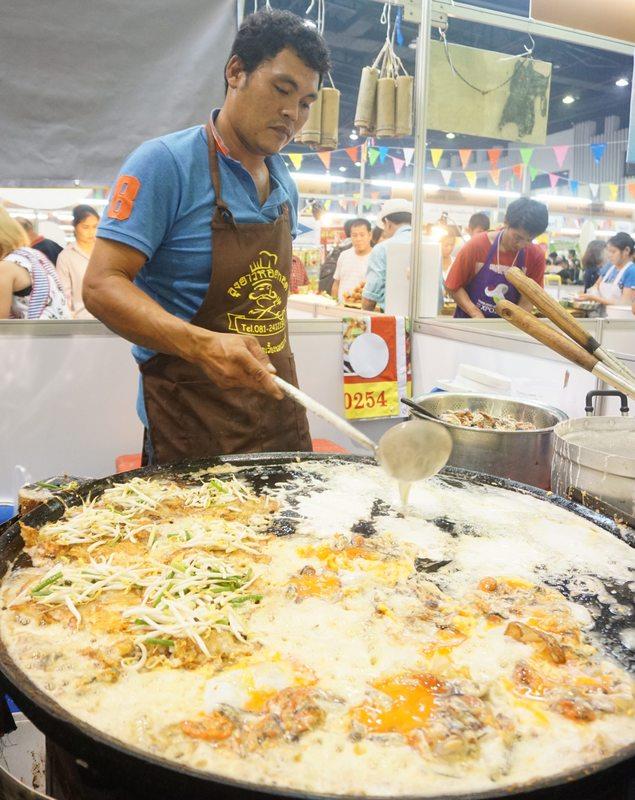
496	434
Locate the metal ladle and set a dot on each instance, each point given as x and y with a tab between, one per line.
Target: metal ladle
409	451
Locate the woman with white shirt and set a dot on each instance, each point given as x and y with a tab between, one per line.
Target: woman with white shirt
73	260
617	285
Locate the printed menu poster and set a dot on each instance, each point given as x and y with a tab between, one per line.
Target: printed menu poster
376	365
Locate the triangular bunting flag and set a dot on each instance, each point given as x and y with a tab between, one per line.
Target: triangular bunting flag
373	155
367	206
574	186
408	153
560	152
296	159
553	179
526	153
631	189
327	205
495	175
383	152
533	171
598	151
325	158
374	195
613	191
517	169
446	174
351	152
398	164
436	154
465	157
594	189
471	178
494	153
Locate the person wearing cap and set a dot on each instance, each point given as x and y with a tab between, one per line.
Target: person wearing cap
395	218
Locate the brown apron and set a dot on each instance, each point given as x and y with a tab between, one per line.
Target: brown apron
188	415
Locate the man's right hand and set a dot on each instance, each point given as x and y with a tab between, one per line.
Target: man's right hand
232	361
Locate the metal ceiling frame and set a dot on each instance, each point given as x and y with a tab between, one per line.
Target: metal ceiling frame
443	10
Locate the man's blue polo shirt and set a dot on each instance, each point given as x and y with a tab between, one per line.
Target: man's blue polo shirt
169	220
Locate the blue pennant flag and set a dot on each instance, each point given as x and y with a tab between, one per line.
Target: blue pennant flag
598	151
574	186
383	152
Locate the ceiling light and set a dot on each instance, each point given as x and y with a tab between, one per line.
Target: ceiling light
621	82
342	169
309	23
353	135
568	99
413	44
358	163
451	135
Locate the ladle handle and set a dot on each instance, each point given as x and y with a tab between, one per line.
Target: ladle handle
416	407
564	320
321	411
526	322
551	309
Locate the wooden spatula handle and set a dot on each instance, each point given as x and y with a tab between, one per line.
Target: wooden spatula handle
550	308
543	333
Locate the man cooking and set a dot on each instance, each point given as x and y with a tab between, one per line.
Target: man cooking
207	313
477	277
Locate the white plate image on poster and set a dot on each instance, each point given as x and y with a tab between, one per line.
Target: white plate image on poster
368	355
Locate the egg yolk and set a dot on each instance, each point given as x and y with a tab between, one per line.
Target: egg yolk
315	585
412	699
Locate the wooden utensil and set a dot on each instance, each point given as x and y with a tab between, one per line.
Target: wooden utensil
562	345
565	321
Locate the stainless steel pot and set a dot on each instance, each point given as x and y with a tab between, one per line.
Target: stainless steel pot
523	456
596	455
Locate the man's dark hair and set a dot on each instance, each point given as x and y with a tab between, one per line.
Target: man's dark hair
623	241
399	218
356	223
530	215
264	34
26	224
479	220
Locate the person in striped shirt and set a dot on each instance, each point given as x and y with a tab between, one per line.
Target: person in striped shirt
29	286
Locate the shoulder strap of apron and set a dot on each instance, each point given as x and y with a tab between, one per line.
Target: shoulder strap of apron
222	209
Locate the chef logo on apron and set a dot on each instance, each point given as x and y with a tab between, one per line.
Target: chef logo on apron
263	291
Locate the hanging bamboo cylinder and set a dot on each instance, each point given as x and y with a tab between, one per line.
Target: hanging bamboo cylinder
330	118
366	100
313	126
386	101
403	113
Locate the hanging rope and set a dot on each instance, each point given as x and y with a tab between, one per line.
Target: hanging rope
458	75
321	14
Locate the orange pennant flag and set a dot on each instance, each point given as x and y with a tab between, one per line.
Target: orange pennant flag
351	152
436	154
631	189
471	178
465	157
325	158
518	171
494	153
495	175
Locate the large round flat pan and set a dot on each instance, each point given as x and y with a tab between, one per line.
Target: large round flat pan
150	777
